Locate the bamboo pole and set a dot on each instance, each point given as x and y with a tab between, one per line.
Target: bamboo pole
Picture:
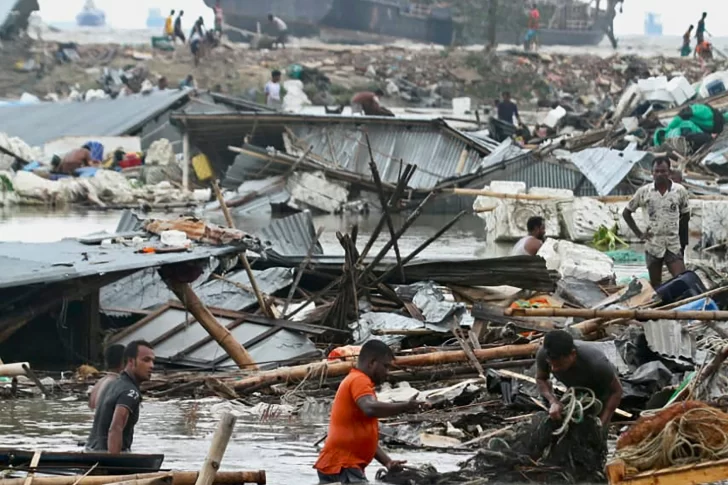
334	369
385	209
165	480
217	449
243	258
301	268
502	195
202	314
178	478
626	314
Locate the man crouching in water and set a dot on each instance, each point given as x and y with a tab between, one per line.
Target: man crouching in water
353	439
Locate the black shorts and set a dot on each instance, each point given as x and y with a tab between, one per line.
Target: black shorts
346	475
195	46
667	258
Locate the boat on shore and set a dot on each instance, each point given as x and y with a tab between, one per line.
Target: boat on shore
80	462
564	22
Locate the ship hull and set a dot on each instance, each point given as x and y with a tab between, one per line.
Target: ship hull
308	17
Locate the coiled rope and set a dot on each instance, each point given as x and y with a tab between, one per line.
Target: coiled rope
697	435
576	401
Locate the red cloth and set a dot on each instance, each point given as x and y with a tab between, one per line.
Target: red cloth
533	19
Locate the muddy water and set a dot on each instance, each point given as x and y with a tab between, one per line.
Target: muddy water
282	448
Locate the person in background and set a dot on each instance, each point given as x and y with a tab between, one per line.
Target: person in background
114	358
531	243
273	90
534	18
281	29
368	103
507	109
188	82
169	26
218	18
73	160
162	84
117	412
676	176
700	31
353	439
196	39
666	205
576	364
686	49
704	51
178	33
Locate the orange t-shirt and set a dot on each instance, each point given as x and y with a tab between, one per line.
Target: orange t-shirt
353	436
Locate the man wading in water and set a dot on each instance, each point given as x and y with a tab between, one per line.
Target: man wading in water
114	364
117	411
353	439
666	205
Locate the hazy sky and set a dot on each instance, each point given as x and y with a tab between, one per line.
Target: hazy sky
676	16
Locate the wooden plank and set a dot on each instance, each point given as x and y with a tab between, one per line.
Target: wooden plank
706	472
33	465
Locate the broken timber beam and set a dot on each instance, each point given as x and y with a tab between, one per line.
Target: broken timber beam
611	314
202	314
334	369
705	472
178	478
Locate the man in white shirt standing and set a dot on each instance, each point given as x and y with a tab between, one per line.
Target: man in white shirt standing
666	205
281	28
273	90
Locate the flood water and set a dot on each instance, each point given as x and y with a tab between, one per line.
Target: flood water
282	448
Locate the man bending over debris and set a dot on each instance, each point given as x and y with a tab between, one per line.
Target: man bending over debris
576	364
353	439
667	207
368	102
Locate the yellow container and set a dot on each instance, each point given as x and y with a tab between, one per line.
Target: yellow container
202	167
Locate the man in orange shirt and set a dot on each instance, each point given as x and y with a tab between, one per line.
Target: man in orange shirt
353	439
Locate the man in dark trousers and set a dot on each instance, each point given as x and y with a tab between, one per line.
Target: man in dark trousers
178	33
507	109
117	412
576	364
666	205
353	439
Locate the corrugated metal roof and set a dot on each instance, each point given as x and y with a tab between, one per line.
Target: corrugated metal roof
290	236
606	168
179	339
434	149
145	289
30	263
670	339
542	173
129	222
41	122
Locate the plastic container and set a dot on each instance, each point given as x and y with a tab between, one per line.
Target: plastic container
460	106
201	166
704	304
174	238
683	286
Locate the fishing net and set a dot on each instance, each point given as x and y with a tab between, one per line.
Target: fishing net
530	453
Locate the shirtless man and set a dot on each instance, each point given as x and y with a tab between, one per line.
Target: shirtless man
74	160
114	364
